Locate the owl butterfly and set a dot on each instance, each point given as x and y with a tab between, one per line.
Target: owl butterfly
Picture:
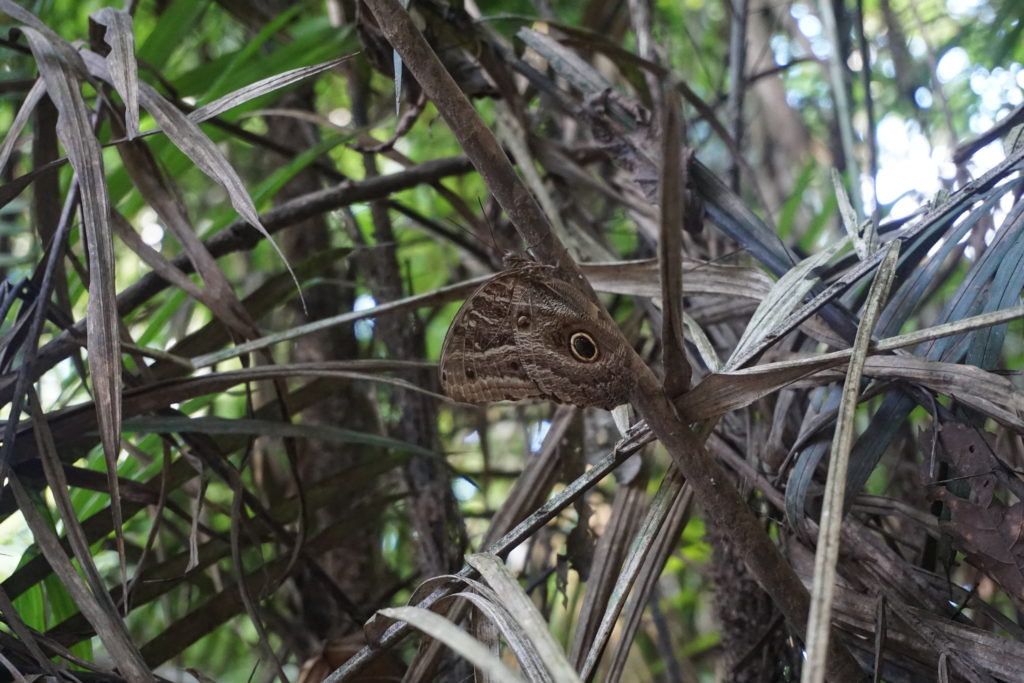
529	332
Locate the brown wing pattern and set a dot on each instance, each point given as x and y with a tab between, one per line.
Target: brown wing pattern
513	339
479	359
556	311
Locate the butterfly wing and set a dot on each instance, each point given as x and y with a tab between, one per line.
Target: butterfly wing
479	359
551	313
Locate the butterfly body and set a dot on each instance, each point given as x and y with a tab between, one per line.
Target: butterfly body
529	332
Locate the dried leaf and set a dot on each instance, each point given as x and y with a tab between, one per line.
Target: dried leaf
74	128
785	295
187	136
121	62
454	637
525	614
826	556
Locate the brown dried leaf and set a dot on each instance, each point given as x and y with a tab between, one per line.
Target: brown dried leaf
121	62
986	529
188	137
74	129
992	538
640	278
162	195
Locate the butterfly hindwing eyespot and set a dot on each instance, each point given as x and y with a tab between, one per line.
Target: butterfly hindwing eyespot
583	347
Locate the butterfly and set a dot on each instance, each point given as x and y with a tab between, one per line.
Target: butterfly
530	332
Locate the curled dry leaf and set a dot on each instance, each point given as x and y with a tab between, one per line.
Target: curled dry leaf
989	531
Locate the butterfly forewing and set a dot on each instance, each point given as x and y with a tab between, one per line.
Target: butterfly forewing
479	360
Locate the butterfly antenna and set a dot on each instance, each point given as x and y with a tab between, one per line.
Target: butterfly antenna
490	226
717	259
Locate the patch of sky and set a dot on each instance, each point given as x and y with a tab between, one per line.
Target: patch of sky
151	228
952	64
978	9
463	489
887	68
810	25
910	168
821	47
917	47
907	166
537	433
364	328
781	50
997	88
923	97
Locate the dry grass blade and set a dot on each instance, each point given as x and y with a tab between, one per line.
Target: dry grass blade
534	484
262	87
785	295
54	471
864	242
670	491
121	64
646	584
28	106
28	639
478	654
239	523
106	622
429	298
162	579
819	626
12	670
492	612
74	128
723	392
503	545
672	188
725	208
9	191
525	615
992	395
203	619
510	132
155	259
66	51
188	137
1001	656
74	423
163	195
639	278
564	61
222	104
476	139
256	427
705	348
612	548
